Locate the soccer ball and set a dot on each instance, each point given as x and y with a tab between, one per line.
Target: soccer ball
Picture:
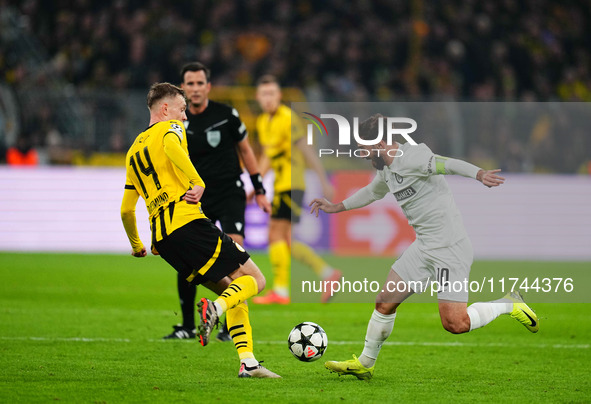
307	341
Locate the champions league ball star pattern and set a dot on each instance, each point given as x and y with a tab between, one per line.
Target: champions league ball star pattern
307	341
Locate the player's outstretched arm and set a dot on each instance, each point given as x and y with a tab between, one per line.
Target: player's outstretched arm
323	204
490	177
377	189
451	166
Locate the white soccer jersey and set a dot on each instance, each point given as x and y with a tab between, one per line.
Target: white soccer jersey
424	197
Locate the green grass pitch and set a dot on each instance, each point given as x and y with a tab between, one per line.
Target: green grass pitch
87	329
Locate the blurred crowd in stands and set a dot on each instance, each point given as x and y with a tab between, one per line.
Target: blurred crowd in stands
335	50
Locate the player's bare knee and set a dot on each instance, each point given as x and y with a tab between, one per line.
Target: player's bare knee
261	282
386	308
279	230
250	268
275	234
386	303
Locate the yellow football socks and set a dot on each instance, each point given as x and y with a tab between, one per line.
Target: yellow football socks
237	292
280	262
240	330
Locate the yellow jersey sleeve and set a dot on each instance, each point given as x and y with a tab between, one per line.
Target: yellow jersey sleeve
130	197
176	154
160	171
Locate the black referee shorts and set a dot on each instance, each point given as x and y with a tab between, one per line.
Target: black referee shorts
226	203
287	205
201	252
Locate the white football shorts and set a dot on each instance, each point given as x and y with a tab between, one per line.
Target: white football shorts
444	270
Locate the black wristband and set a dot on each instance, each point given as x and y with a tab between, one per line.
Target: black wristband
257	183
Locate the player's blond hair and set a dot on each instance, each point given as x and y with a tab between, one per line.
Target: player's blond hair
159	91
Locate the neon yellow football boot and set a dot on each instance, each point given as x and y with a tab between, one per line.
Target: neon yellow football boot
522	312
350	367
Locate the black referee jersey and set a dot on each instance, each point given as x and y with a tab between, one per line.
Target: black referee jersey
212	138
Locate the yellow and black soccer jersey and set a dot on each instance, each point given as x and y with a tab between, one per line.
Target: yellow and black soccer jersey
159	170
277	134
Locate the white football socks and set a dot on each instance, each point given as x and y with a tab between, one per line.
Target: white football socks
378	330
283	292
218	308
326	272
482	313
381	325
250	362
